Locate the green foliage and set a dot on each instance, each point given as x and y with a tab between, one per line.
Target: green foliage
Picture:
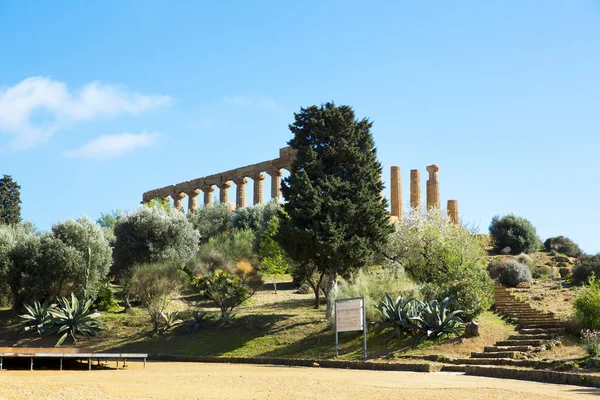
398	314
105	300
435	319
227	291
154	286
73	318
542	271
170	319
152	234
163	204
514	273
37	316
591	342
10	201
210	220
446	259
587	305
273	258
256	217
586	266
334	216
373	284
428	320
23	264
107	221
564	245
515	232
526	259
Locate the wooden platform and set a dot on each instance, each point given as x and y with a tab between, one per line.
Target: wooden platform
69	353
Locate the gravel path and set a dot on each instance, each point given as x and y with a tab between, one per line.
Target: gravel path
228	381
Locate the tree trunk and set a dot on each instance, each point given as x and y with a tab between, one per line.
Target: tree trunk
331	286
317	299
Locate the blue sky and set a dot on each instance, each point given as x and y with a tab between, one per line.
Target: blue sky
101	101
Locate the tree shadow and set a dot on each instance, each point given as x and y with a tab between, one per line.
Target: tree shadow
287	304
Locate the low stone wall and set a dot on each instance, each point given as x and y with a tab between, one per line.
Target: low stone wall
562	378
301	362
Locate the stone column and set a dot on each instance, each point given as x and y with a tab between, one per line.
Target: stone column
240	192
275	183
192	200
258	187
415	189
224	192
396	192
178	200
208	194
433	187
453	211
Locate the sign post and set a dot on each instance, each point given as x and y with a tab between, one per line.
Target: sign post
350	316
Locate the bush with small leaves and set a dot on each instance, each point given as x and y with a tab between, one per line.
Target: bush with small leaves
586	266
526	259
542	271
514	232
587	305
564	245
514	274
496	267
591	342
210	220
105	300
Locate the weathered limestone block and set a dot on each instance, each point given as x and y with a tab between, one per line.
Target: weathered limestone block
396	192
275	183
224	191
240	192
192	199
453	211
178	200
208	194
433	187
258	187
415	189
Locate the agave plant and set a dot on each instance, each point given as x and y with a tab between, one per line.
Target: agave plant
171	320
399	314
434	319
72	318
37	316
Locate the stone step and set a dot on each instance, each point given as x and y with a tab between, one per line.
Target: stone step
531	342
497	354
528	314
535	320
539	325
531	337
454	368
538	331
503	349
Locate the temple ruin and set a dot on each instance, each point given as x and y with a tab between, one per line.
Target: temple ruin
274	168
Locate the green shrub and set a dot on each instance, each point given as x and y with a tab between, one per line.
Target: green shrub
151	234
587	305
515	273
105	300
496	267
564	245
227	291
586	266
154	286
273	259
374	284
210	220
445	257
72	318
591	342
515	232
526	259
543	271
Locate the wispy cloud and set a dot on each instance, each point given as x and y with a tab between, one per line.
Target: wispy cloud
259	102
34	109
110	146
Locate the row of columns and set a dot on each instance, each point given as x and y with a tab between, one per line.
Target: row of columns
240	195
432	193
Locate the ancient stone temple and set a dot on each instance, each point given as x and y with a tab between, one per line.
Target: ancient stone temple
224	180
274	168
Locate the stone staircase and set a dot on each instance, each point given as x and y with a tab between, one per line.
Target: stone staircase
537	330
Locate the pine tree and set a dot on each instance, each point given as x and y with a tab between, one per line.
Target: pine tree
335	216
10	200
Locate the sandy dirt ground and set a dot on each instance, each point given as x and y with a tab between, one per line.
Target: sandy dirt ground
225	381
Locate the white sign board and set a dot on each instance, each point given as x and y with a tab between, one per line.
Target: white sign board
349	315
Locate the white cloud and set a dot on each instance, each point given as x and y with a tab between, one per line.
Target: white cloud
258	102
34	109
109	146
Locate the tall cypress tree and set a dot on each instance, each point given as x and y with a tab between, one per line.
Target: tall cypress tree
10	201
335	216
